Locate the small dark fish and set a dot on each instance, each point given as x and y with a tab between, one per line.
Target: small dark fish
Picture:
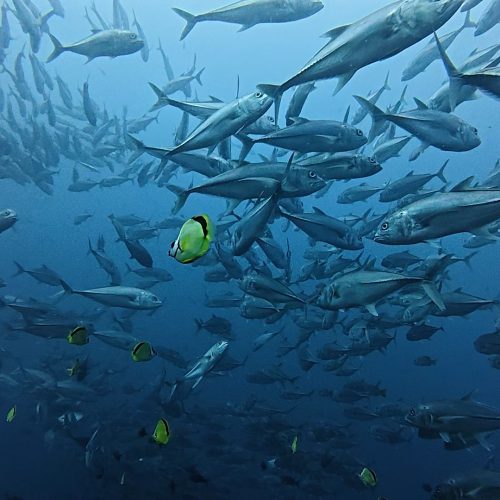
424	361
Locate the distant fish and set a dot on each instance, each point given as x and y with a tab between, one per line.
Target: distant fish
11	414
78	336
161	434
118	296
368	477
111	43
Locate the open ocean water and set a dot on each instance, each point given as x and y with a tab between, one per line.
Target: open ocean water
128	389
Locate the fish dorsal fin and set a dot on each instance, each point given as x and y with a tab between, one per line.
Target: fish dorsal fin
464	185
371	309
369	265
95	30
318	211
468	396
335	32
410	173
297	120
346	116
420	104
215	99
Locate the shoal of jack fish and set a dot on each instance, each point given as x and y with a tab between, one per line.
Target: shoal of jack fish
250	265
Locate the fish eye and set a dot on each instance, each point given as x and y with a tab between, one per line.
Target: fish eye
475	130
271	119
258	95
172	244
359	132
384	226
133	36
312	174
372	160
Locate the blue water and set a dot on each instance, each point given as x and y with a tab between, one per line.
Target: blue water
40	461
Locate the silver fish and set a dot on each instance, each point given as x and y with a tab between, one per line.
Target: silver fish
111	43
118	296
321	227
248	13
366	288
206	363
441	214
434	128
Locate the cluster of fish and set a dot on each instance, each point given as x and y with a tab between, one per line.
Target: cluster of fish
362	302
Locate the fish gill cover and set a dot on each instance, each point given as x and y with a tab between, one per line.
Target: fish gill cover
242	260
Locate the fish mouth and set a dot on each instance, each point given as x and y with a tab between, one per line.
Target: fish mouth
8	215
378	238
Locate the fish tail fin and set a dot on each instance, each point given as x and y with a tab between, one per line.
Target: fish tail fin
139	145
20	269
190	21
160	167
160	95
453	73
440	173
58	48
378	116
66	287
246	144
181	194
42	20
433	294
468	258
275	92
468	22
198	76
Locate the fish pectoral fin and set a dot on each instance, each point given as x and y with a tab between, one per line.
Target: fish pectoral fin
438	218
450	419
417	152
445	437
371	309
433	294
342	81
475	492
198	380
481	439
484	233
211	149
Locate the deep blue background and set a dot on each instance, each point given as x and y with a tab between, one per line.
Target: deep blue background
45	234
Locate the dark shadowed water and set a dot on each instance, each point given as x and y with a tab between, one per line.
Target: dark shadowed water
225	432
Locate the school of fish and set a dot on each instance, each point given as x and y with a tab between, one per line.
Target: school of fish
321	294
